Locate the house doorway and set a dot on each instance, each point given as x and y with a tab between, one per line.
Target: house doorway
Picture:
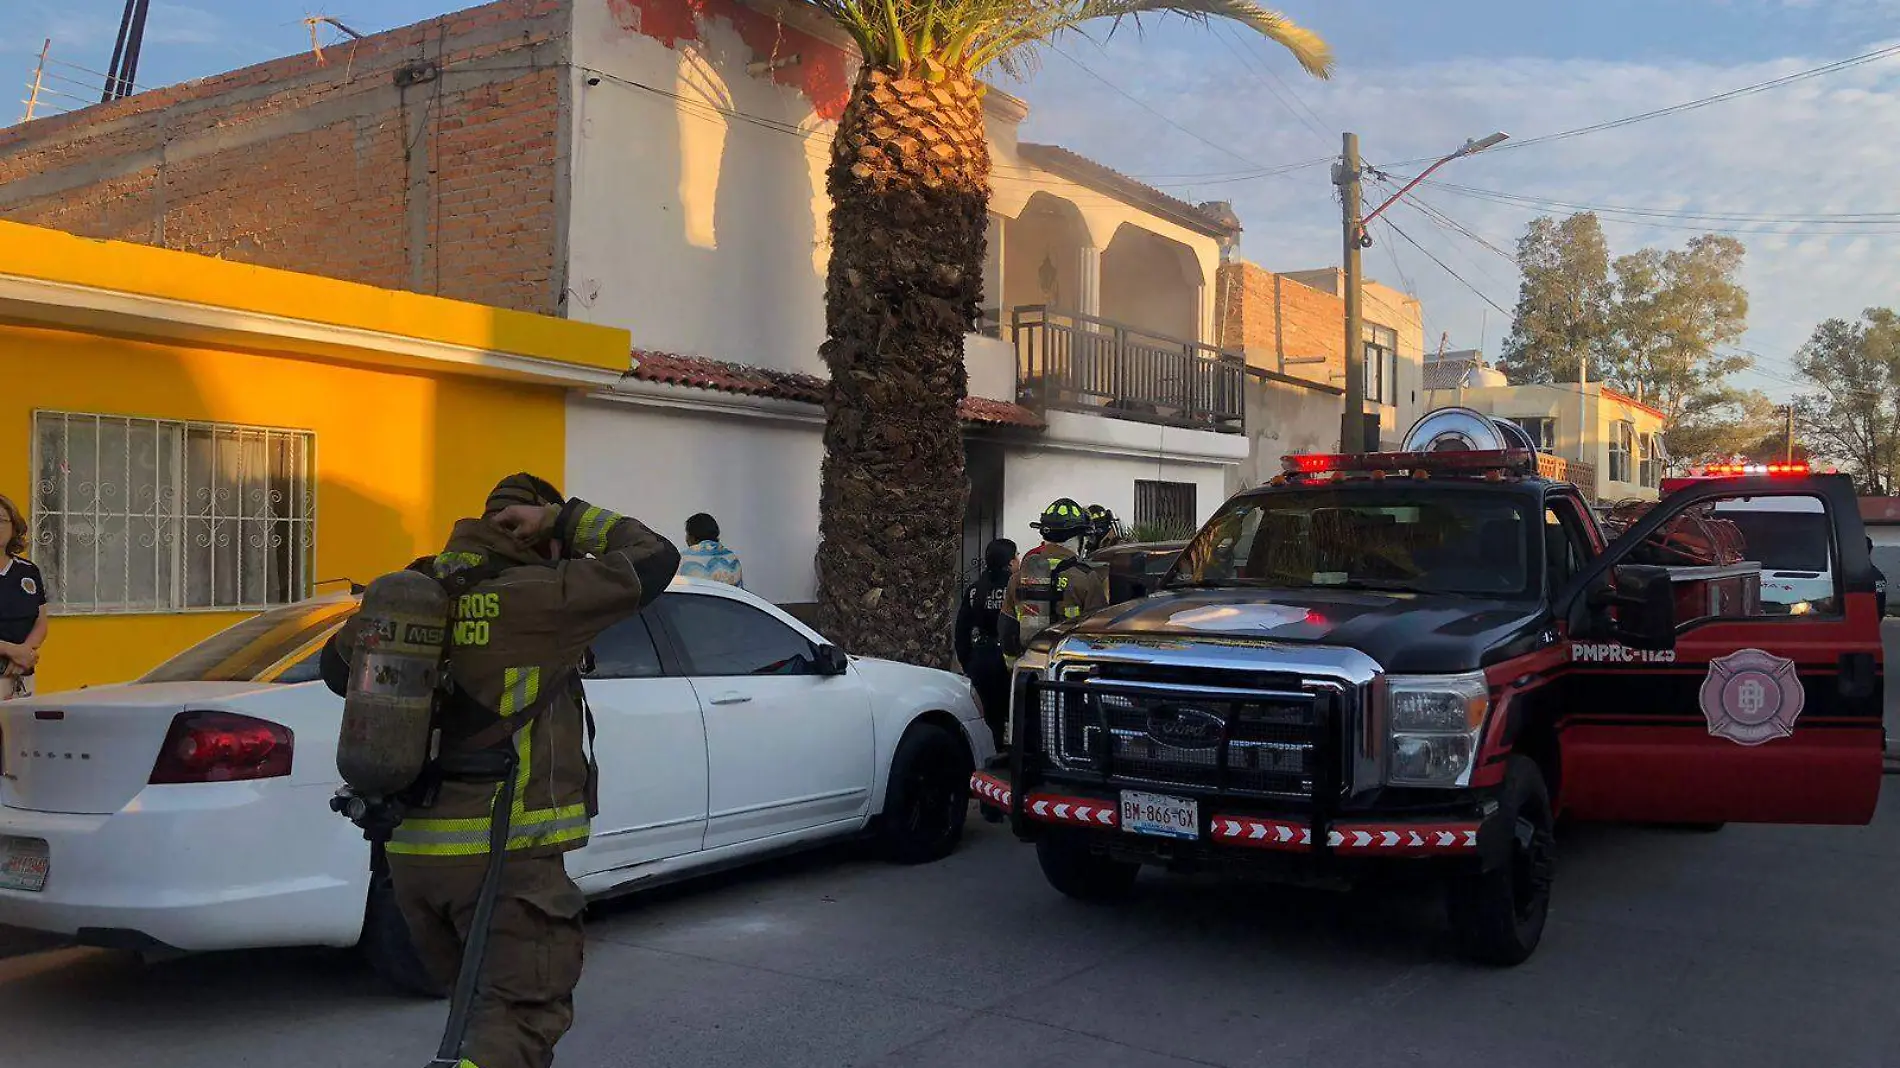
983	515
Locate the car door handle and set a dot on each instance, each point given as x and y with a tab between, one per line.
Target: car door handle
732	697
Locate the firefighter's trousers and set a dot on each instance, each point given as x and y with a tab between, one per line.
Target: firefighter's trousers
524	1001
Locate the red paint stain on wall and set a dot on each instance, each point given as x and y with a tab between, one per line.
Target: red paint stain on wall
822	73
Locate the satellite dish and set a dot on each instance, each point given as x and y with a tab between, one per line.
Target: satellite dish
1458	430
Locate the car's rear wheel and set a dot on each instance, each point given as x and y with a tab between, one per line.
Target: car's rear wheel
1074	870
1498	915
929	796
386	947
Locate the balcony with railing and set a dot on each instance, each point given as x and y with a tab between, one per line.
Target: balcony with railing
1083	363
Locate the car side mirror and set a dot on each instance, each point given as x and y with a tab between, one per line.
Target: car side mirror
832	660
1644	598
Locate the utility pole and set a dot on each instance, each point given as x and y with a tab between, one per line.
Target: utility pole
1352	424
1353	428
39	78
1790	432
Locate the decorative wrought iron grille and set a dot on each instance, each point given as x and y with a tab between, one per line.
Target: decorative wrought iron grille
159	515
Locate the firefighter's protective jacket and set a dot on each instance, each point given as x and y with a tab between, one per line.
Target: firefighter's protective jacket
1051	586
512	637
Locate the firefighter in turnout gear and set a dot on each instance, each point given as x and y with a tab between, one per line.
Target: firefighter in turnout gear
549	575
1104	530
1053	584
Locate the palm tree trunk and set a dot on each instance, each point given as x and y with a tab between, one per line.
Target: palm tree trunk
909	185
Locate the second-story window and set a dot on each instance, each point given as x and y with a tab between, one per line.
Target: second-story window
1382	365
1622	441
1541	428
1651	468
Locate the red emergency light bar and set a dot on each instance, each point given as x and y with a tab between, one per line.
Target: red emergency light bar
1450	462
1697	474
1718	470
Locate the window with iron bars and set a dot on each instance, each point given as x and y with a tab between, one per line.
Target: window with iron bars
1165	508
160	515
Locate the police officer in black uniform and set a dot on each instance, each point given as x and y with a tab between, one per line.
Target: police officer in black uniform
978	649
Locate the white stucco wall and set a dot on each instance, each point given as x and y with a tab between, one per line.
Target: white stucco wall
1031	479
1097	461
701	233
758	478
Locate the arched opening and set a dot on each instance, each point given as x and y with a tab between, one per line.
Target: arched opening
1152	284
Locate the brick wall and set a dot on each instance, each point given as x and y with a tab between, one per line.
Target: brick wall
1269	316
354	167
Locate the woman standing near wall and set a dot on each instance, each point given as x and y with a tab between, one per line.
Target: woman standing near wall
22	607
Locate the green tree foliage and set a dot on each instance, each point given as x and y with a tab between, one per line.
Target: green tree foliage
1854	418
1563	304
1652	324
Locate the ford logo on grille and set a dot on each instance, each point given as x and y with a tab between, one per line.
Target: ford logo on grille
1185	728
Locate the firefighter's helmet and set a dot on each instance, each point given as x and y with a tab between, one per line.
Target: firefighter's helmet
1062	520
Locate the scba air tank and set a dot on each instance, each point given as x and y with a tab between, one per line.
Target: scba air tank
395	668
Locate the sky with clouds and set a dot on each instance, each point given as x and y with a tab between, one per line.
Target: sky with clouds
1217	108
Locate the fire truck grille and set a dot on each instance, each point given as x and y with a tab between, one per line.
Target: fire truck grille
1258	743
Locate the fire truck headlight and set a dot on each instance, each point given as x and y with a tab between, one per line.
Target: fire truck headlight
1437	725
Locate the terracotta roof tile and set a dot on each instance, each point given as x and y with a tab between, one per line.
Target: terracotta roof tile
997	413
701	373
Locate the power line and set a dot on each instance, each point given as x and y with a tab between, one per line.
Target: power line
1225	36
1070	190
1531	206
1143	105
1690	105
1837	219
1442	266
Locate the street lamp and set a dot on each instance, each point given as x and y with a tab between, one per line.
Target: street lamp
1354	431
1469	148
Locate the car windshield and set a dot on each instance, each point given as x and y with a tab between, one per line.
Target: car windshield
1423	539
239	653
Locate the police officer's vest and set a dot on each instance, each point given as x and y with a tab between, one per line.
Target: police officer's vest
1040	586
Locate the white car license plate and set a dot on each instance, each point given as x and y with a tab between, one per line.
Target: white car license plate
23	863
1160	815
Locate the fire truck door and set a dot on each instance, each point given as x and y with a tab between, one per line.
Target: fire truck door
1768	708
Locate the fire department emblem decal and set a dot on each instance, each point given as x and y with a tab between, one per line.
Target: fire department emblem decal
1751	697
1238	617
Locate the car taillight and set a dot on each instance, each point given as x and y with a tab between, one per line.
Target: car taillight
222	747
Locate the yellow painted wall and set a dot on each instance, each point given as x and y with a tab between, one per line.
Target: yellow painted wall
400	455
52	256
1562	401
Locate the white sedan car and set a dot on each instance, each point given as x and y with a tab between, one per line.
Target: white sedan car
190	809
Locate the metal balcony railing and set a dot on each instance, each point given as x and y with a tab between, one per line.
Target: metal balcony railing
1084	363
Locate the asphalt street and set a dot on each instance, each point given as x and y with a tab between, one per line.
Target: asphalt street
1754	946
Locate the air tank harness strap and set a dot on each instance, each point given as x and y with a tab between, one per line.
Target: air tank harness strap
1056	585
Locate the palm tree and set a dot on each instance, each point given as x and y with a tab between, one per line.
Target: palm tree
909	185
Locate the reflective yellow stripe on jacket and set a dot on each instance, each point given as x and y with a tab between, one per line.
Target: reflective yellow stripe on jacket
528	828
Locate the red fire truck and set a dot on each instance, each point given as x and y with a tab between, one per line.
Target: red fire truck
1426	657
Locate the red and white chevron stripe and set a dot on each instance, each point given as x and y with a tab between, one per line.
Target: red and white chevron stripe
1084	811
990	788
1260	834
1418	839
